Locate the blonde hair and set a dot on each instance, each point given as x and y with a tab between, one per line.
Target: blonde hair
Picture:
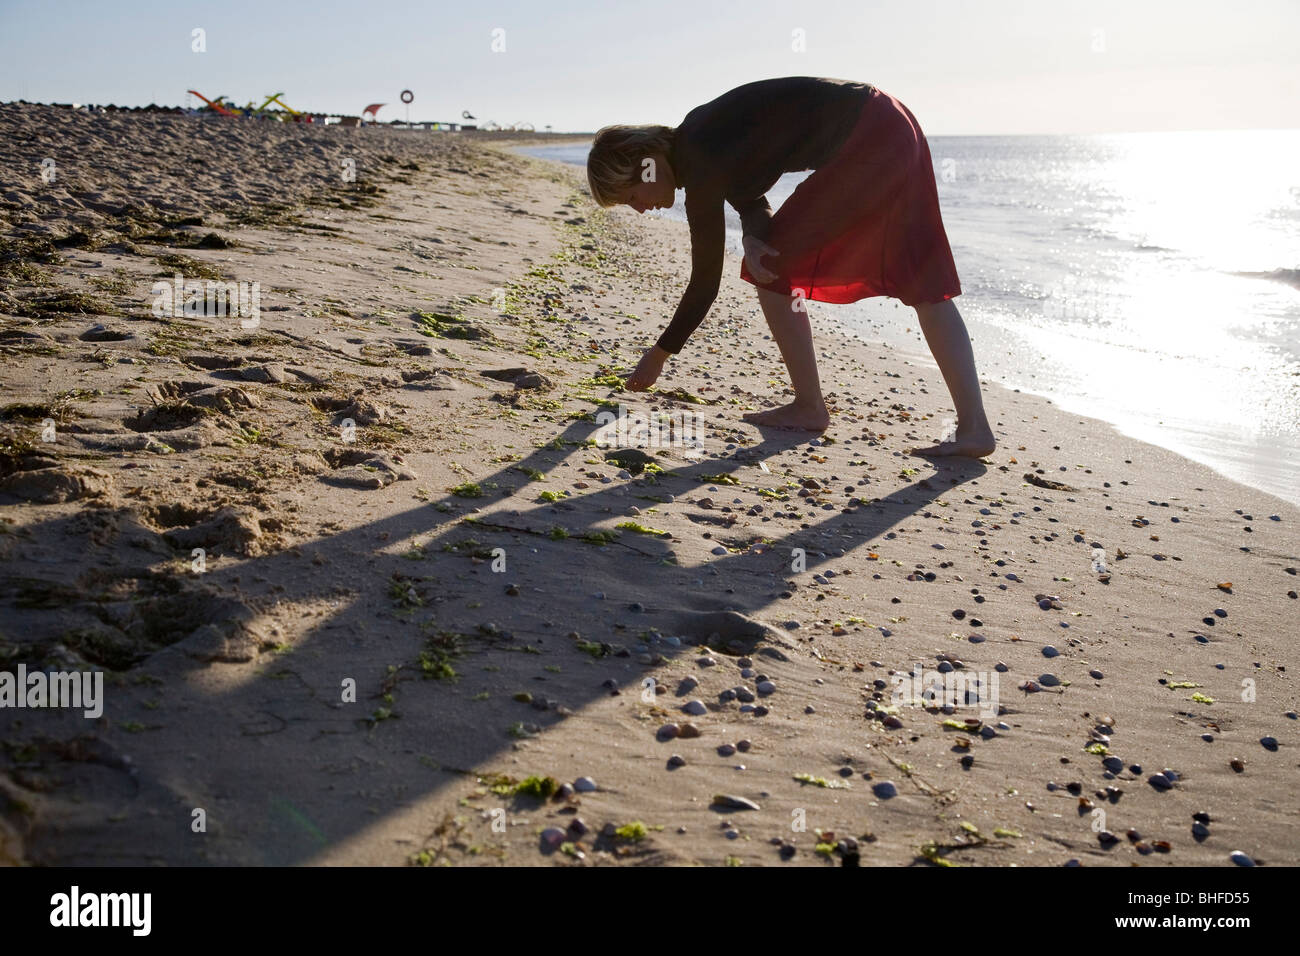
614	163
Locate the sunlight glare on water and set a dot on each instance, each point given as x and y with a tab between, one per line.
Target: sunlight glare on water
1151	280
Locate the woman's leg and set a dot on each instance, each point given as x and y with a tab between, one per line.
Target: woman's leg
945	333
793	335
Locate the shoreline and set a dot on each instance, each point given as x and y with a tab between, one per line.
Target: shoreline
1070	405
427	598
1221	449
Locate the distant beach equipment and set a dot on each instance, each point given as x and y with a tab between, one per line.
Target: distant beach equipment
215	106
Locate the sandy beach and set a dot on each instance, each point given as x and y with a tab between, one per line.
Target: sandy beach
368	585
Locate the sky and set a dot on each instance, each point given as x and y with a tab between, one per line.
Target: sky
962	66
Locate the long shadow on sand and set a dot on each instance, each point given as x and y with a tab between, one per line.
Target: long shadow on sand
286	770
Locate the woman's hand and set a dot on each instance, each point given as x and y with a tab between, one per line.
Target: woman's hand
647	370
755	249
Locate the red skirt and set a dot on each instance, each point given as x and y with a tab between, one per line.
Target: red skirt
874	210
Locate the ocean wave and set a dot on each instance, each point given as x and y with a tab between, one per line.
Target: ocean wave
1289	276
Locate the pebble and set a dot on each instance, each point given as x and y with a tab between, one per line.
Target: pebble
734	802
696	708
1113	764
885	789
766	687
1241	859
726	750
552	837
687	685
676	760
706	661
1050	651
1268	743
1200	831
584	785
719	550
1001	668
669	731
688	731
1237	764
1160	781
744	694
747	672
1096	674
743	746
1049	680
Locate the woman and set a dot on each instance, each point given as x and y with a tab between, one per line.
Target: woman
866	223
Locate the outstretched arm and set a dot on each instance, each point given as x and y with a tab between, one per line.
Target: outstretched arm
708	232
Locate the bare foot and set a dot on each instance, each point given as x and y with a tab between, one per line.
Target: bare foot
792	416
976	445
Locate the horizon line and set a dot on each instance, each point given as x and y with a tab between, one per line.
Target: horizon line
592	133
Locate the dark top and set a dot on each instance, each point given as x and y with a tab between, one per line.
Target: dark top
734	149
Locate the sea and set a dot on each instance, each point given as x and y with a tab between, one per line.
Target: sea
1150	280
